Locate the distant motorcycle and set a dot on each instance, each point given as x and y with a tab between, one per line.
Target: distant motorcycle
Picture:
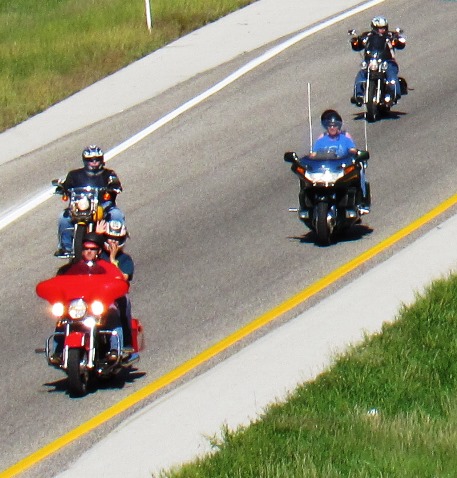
376	98
84	205
81	305
330	191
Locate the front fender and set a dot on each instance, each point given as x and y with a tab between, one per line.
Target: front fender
75	340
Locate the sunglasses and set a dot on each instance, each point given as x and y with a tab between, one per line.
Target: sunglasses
90	248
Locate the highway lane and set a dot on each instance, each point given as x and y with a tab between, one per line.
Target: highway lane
213	242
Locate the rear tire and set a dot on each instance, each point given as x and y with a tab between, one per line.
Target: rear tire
322	229
78	375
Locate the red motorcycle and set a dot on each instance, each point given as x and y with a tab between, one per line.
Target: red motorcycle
82	305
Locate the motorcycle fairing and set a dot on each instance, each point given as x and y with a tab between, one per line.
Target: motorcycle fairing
327	169
65	288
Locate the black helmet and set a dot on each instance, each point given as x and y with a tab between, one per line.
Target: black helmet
91	153
379	22
95	238
331	117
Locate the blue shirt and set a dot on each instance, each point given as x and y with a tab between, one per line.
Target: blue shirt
340	144
126	264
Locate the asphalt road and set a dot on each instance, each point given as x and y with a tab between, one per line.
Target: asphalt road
206	198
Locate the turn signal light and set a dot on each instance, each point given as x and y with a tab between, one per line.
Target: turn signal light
106	196
97	307
58	310
349	169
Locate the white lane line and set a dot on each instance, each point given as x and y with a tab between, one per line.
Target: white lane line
26	207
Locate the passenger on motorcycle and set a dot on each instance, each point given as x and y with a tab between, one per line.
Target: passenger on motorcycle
91	263
341	143
92	174
385	41
113	251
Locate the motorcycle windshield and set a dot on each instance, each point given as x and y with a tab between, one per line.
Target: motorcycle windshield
329	159
84	192
65	288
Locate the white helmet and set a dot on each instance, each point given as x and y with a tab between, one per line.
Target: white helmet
116	230
93	153
379	22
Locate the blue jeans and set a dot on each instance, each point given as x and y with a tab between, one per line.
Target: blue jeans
66	227
125	310
392	80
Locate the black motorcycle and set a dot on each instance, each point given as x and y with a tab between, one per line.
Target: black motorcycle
85	208
377	99
330	191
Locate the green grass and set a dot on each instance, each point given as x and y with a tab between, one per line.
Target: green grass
50	49
387	408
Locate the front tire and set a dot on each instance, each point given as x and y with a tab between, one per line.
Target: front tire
322	229
80	232
78	375
372	106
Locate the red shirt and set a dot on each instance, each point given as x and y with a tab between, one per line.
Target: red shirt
99	266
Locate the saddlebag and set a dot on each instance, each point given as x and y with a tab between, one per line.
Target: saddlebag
403	86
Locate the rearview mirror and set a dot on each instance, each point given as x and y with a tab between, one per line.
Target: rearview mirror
290	157
363	155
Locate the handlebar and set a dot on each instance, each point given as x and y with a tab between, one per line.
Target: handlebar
60	189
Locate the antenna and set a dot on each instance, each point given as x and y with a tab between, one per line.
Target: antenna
365	131
309	118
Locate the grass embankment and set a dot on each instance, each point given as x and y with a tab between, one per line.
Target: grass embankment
50	49
387	408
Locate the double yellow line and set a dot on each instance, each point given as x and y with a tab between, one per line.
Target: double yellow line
224	344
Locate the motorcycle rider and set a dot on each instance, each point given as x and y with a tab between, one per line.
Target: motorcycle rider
94	174
113	251
385	41
91	263
341	142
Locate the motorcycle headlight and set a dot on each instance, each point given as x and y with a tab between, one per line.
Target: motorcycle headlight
83	204
383	66
373	65
97	307
77	309
57	310
325	177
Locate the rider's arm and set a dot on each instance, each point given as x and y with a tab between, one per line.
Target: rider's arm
398	41
358	43
349	143
113	181
69	181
